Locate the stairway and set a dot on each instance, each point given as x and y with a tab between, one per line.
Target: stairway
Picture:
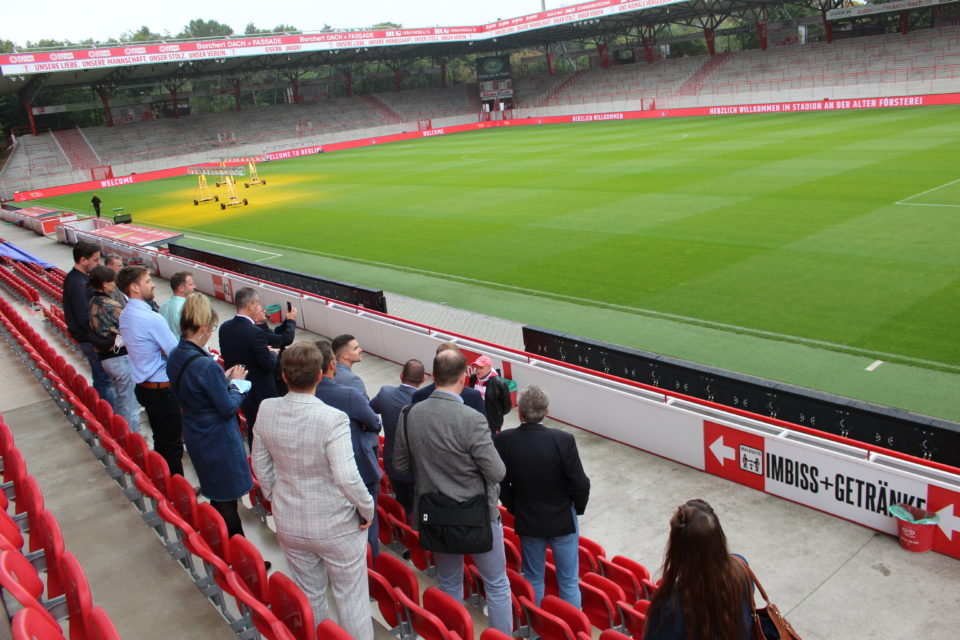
382	109
78	151
696	81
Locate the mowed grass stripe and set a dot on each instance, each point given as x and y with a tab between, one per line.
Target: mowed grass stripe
783	225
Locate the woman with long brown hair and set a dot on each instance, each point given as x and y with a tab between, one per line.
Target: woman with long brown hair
704	593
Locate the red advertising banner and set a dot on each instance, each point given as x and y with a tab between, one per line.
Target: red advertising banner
37	212
743	109
140	236
92	185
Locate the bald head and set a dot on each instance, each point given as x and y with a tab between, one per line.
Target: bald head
448	369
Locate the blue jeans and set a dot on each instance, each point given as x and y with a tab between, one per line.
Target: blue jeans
492	566
118	368
101	381
566	558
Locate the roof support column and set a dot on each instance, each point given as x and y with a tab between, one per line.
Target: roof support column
29	109
827	26
175	99
102	92
708	35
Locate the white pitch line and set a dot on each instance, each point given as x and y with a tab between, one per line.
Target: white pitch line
876	363
925	204
270	254
923	193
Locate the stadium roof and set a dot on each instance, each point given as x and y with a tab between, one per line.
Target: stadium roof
178	60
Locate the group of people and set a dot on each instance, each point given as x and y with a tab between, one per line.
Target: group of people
314	437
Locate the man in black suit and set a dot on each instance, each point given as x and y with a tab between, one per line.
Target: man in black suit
242	342
471	397
545	489
389	402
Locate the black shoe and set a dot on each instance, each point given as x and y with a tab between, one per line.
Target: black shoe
406	554
267	564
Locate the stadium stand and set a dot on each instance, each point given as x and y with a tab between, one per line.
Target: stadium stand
923	61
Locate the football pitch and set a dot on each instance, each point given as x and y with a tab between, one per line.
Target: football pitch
800	247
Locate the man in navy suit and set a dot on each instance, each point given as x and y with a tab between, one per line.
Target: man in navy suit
389	402
471	397
242	342
364	429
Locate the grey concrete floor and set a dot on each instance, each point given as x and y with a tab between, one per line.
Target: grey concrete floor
833	579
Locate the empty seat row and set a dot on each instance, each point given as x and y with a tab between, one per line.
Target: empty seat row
62	594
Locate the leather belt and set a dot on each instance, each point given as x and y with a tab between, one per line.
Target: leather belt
153	385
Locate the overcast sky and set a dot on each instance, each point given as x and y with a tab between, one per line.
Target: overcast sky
69	20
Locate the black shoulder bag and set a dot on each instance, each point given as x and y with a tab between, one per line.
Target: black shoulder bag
449	526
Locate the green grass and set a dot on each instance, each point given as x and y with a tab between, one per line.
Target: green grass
779	229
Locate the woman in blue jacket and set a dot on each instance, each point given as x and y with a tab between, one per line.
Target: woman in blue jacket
705	592
209	399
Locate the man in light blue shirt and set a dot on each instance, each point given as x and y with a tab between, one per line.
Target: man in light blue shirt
149	341
182	285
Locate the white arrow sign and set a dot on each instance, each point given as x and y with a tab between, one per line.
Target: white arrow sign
722	452
948	522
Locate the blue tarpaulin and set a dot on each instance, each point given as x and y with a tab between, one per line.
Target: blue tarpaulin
16	253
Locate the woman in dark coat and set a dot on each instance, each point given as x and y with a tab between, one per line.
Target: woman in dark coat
209	399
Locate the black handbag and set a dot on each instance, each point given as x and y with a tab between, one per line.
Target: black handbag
446	525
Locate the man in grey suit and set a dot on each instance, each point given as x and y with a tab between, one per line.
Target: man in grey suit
303	457
448	449
389	402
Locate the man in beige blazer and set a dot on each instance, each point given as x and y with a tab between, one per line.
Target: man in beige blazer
304	461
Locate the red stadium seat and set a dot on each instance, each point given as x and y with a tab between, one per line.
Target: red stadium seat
547	625
101	626
593	547
386	598
424	623
330	630
20	580
399	575
450	612
159	472
79	600
634	620
597	605
184	499
624	577
575	618
638	570
213	530
520	587
263	619
247	562
290	605
51	540
31	624
410	540
33	505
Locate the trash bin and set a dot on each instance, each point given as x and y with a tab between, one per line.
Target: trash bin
916	527
273	313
